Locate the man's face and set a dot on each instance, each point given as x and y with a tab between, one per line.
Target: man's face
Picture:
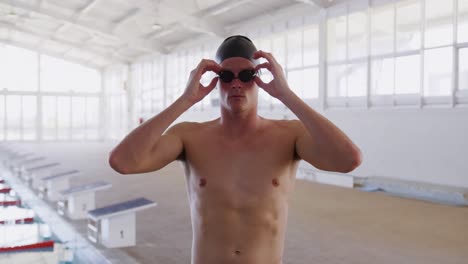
237	96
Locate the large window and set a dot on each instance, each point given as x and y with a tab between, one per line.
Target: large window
2	117
29	117
462	17
439	23
116	96
18	68
408	26
438	71
302	68
297	52
55	99
14	117
411	50
463	70
49	117
63	76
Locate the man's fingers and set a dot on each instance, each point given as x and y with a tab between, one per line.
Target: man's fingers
266	55
207	65
214	68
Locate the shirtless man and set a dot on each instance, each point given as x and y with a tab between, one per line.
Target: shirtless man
240	168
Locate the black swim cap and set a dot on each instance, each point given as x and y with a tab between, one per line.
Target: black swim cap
236	46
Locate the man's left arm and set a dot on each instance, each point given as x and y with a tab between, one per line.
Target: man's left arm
318	141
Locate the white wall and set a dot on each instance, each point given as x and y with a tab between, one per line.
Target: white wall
428	145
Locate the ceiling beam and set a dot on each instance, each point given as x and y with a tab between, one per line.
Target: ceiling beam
221	8
201	21
90	27
192	23
85	9
71	45
119	21
271	17
319	3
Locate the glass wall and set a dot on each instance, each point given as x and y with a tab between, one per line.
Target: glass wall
396	52
116	96
45	98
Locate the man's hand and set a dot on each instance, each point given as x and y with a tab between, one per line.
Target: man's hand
278	87
195	91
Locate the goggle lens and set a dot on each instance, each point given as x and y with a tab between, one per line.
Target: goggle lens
244	76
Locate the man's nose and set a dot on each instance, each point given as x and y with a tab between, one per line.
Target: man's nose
236	83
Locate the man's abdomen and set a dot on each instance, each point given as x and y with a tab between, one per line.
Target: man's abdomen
238	235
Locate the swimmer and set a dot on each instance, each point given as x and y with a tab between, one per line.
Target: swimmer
240	168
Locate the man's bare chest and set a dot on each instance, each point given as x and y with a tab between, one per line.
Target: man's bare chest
254	169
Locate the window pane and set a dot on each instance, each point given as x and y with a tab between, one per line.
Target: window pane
408	25
357	37
278	49
92	118
114	112
407	75
311	85
49	116
78	117
296	81
336	40
295	49
146	101
439	23
264	44
382	30
264	99
463	74
336	81
2	116
29	117
357	79
382	76
437	71
63	117
158	99
63	76
311	49
18	68
462	34
13	116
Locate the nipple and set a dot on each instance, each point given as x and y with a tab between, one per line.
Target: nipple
237	252
275	182
202	182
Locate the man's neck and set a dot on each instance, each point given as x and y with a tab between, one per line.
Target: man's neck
240	123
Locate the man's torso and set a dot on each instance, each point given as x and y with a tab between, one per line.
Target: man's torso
238	190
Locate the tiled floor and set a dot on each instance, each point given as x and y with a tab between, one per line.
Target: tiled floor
326	224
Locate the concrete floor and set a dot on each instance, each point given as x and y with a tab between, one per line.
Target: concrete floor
327	224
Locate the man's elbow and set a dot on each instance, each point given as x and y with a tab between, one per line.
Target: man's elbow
116	164
354	161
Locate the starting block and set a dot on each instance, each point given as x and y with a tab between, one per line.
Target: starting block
53	184
79	200
114	225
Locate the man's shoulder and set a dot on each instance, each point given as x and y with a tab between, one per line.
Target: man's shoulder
283	123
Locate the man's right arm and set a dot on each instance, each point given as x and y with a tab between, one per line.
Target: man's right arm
146	149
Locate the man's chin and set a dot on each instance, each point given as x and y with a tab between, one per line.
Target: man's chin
237	107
